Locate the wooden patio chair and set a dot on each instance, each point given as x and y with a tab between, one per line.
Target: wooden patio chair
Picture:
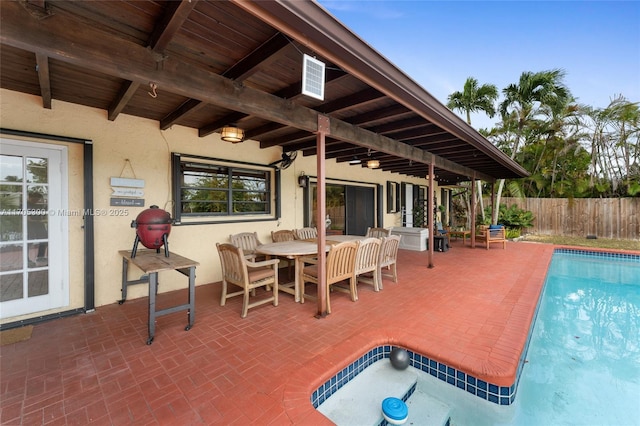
285	235
341	261
248	275
367	259
248	242
488	235
388	258
306	233
377	232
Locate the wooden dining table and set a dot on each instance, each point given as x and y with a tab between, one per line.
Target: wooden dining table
295	250
291	250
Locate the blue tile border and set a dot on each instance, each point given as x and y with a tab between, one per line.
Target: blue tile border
500	395
601	254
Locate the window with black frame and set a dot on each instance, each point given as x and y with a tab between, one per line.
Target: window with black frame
214	190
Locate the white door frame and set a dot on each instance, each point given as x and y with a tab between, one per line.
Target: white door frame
58	236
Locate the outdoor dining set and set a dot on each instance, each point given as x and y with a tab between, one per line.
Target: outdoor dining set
249	264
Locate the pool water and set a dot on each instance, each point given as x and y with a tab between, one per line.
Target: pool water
583	362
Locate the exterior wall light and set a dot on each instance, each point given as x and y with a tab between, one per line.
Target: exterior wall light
373	164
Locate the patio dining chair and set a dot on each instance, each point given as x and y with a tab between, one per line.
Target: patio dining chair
248	275
367	259
388	258
306	233
248	242
377	232
281	236
341	261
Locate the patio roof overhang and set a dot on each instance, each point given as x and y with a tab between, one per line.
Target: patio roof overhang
215	63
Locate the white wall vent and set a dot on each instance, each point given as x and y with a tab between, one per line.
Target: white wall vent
312	77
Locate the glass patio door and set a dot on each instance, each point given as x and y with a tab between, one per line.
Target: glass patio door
33	228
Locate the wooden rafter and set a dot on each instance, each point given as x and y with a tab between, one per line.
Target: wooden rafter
42	65
74	42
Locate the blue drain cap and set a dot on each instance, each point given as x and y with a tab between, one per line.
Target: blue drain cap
395	411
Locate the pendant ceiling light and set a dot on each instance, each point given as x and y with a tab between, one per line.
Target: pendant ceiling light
232	133
355	160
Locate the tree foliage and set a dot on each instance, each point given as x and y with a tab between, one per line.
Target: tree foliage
571	150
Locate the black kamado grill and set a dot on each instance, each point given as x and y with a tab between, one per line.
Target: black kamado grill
153	226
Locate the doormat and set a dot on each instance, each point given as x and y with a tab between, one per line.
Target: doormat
15	335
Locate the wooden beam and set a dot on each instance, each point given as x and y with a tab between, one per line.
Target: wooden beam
170	24
362	97
74	42
350	101
42	66
176	14
260	57
191	105
127	90
291	92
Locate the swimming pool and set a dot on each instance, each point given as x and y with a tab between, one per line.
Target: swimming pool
583	362
582	366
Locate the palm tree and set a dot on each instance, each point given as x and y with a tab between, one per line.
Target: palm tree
524	104
474	98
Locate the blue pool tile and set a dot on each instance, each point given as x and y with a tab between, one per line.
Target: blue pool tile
503	395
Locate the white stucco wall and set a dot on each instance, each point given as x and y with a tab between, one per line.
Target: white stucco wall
148	149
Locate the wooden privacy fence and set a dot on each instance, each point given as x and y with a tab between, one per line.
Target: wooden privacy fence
617	218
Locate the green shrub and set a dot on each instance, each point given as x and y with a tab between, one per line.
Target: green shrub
512	217
512	233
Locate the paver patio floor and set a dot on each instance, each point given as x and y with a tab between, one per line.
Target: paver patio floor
471	311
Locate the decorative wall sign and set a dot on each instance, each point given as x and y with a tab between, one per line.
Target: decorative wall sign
119	191
127	187
127	182
129	202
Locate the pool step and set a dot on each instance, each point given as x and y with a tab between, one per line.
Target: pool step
359	402
426	410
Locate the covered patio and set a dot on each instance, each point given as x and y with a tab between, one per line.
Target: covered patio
167	78
97	369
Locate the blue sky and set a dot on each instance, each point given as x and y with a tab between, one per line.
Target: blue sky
441	43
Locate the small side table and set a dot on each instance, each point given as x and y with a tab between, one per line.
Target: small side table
151	262
461	234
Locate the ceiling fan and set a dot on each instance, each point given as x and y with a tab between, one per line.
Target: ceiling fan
286	160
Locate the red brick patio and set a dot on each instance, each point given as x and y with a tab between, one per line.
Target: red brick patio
471	311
